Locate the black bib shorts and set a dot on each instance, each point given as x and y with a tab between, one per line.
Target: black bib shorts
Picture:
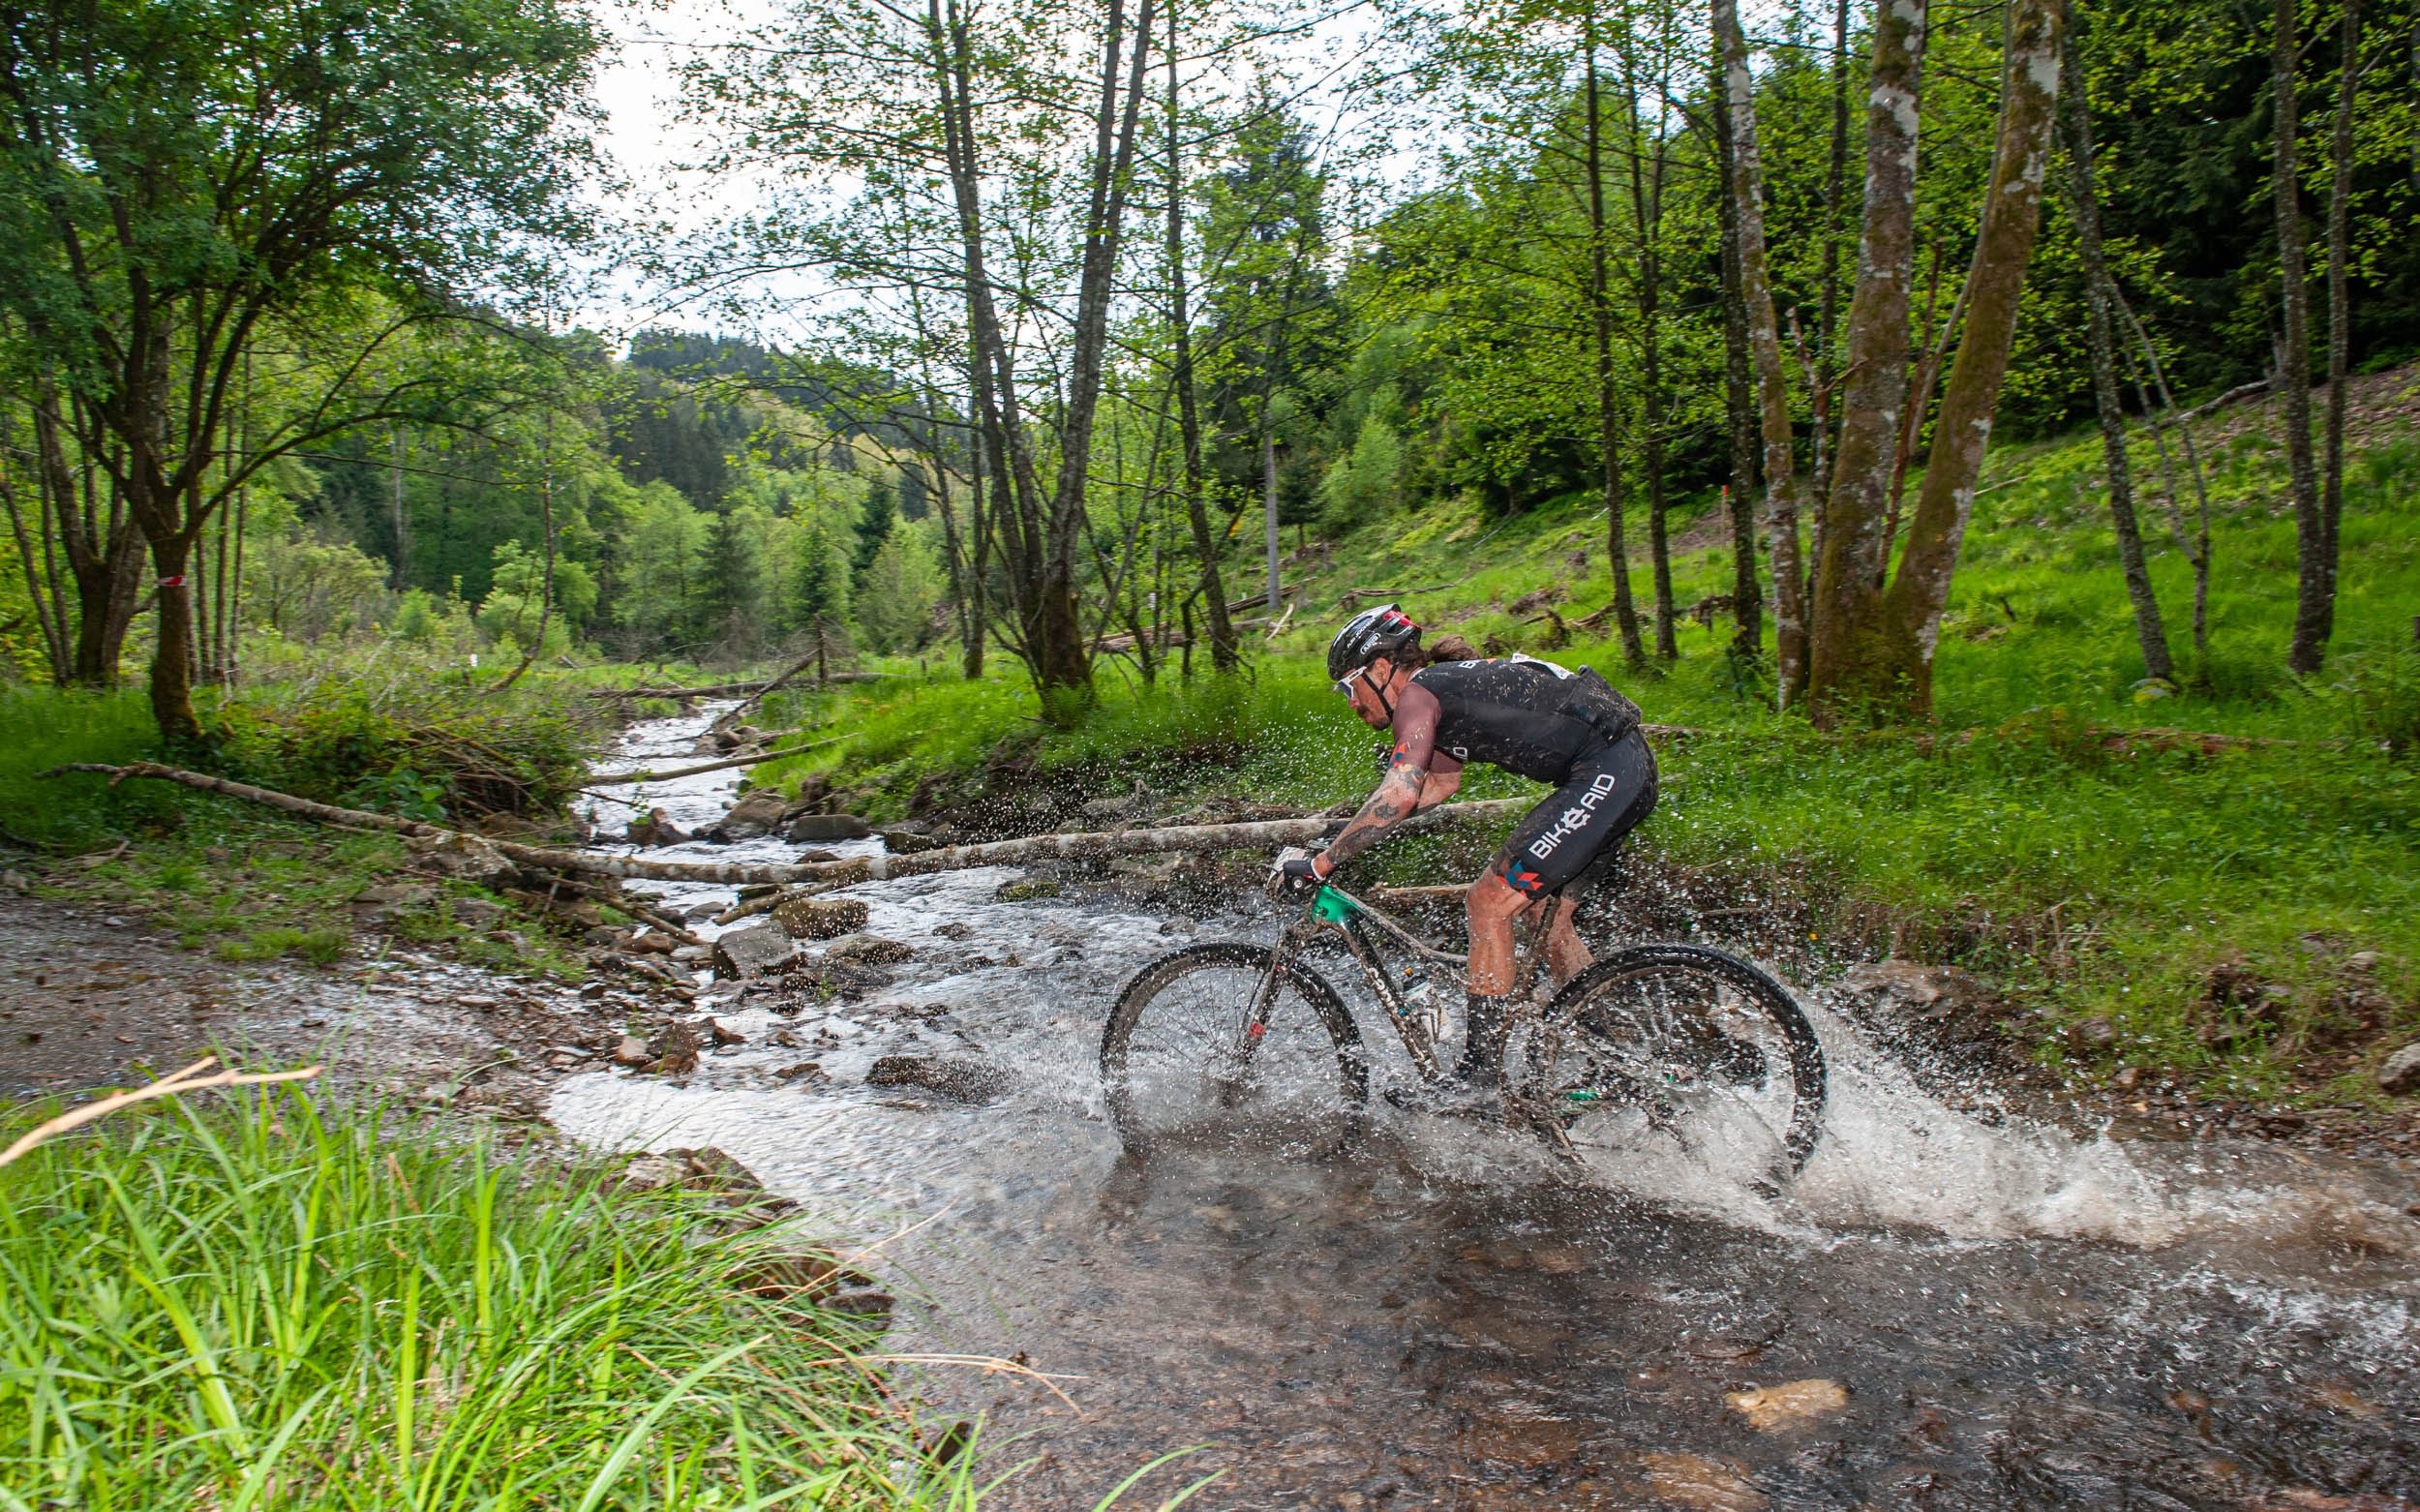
1584	821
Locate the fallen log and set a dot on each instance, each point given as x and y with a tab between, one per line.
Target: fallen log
633	909
1267	835
650	774
751	907
730	717
727	689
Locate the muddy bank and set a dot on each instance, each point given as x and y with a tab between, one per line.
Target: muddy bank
92	997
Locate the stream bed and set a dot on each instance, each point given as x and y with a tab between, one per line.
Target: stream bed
1946	1311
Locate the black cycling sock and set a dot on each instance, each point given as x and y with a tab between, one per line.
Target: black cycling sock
1483	1042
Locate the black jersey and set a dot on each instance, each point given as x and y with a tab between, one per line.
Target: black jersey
1525	716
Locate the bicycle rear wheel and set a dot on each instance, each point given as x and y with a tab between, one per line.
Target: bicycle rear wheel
1674	1040
1180	1070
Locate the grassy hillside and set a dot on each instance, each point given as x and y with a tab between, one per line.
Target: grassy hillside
2161	883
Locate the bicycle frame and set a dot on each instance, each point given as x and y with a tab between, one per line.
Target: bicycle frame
1333	909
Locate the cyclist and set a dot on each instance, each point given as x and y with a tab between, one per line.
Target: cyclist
1529	717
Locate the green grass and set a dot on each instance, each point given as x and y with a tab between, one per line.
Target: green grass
275	1305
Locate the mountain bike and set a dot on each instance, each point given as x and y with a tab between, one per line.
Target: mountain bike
1234	1045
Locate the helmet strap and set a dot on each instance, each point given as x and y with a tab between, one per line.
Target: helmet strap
1377	689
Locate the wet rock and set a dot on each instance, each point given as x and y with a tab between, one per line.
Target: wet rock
723	1034
908	842
866	1304
827	978
466	857
591	991
805	1073
631	1051
1700	1484
751	818
644	966
2092	1037
822	828
692	953
967	1079
477	913
602	938
1026	891
652	1173
709	1168
697	911
801	1276
378	902
1772	1409
2402	1072
869	949
654	829
745	954
955	929
676	1052
820	918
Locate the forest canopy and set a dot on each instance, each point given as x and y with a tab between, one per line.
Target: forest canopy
1110	306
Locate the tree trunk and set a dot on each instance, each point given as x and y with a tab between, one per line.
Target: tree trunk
1835	205
1827	321
1223	653
400	578
2004	247
1173	839
545	587
1016	488
1738	409
1849	657
171	657
1756	292
43	588
1647	202
1268	499
2314	608
2101	343
2339	317
104	553
1063	661
1608	392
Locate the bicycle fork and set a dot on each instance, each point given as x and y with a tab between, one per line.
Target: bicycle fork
1255	1025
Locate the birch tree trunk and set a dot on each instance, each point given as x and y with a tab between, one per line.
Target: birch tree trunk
2101	344
1738	409
1608	392
1062	659
2340	314
2004	247
1849	655
1756	294
1223	655
2314	607
1646	209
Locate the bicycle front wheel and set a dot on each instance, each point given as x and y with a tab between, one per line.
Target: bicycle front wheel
1182	1066
1678	1043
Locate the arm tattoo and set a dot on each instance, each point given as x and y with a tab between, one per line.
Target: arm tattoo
1392	803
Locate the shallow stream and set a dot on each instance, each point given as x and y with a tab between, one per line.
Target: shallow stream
1448	1317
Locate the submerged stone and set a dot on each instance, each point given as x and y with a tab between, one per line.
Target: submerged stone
1772	1409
